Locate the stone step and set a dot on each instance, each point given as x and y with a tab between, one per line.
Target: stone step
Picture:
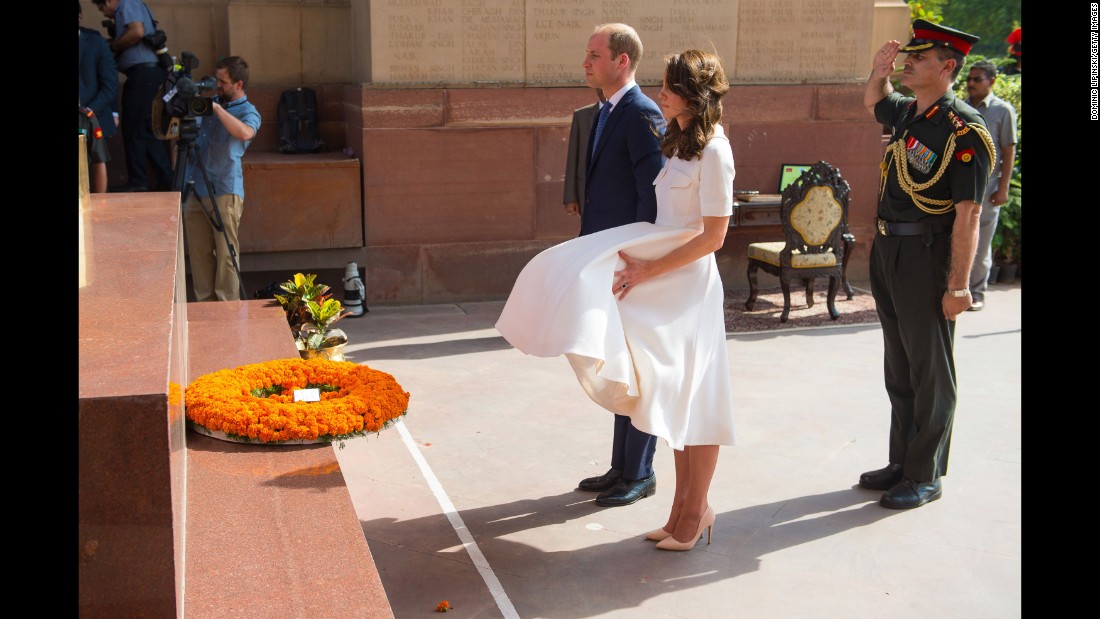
271	530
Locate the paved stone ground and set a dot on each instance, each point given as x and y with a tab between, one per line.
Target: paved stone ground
501	439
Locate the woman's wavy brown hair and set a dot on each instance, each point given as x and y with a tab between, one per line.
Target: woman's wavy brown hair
698	77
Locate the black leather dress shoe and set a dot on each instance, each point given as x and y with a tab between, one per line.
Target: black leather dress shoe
909	494
626	492
601	483
882	479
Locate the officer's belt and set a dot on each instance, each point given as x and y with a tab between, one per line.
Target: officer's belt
892	228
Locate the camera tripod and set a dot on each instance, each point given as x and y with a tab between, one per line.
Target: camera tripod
188	150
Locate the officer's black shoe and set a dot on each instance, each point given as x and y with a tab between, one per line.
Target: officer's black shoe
881	479
601	483
909	494
626	492
976	306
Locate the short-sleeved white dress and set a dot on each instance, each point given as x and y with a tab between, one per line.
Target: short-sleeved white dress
659	355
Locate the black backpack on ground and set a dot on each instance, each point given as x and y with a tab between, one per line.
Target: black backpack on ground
299	131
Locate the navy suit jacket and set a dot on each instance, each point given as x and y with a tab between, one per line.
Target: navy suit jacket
619	185
98	78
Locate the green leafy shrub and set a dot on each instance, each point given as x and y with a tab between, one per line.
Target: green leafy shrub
928	10
1006	240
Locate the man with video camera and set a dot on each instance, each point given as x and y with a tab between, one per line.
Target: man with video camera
133	34
222	140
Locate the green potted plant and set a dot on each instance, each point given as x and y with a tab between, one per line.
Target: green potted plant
317	333
311	312
297	292
1006	240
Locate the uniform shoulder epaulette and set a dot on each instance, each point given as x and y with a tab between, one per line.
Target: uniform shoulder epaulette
960	125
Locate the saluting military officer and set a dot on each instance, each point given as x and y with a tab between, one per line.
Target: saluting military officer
934	175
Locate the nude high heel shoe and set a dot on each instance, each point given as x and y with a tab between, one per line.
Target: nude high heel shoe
706	522
657	535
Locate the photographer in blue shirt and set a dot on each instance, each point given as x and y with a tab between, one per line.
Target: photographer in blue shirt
222	140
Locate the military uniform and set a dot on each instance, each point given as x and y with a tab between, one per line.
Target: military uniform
936	158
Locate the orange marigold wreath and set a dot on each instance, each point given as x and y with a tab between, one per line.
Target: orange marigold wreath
255	403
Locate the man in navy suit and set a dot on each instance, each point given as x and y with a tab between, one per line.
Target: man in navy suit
624	156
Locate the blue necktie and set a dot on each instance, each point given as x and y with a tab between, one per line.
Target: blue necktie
605	111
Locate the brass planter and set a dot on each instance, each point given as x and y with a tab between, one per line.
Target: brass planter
334	352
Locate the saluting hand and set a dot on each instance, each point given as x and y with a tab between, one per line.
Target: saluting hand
883	65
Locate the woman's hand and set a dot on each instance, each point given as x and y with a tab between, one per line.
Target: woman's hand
638	270
635	272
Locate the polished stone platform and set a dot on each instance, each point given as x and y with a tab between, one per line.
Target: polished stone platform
173	523
132	342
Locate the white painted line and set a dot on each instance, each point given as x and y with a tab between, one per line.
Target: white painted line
482	565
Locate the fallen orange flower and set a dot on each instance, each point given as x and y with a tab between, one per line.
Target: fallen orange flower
443	607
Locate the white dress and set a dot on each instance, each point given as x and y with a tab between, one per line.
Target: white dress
659	355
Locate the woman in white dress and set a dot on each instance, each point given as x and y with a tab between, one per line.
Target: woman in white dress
637	309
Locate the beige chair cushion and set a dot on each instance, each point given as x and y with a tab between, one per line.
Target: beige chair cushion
816	216
769	252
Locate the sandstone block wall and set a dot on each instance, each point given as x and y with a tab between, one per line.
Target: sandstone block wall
459	111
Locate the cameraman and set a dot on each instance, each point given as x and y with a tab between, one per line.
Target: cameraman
222	140
138	61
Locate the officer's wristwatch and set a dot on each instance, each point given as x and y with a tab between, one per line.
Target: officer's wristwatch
958	293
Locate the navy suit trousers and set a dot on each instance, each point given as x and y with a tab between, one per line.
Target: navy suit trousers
632	450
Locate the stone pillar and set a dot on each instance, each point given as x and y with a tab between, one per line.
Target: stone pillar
891	21
292	43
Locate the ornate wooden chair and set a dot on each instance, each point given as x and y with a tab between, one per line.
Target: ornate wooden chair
814	217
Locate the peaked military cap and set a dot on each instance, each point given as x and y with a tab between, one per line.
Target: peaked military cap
927	35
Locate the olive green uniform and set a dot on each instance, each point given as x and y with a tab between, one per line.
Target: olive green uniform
936	158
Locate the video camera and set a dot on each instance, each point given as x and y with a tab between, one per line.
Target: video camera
157	41
178	102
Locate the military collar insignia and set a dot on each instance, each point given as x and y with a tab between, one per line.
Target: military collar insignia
958	123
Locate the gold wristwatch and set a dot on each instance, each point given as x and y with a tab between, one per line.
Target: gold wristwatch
958	293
